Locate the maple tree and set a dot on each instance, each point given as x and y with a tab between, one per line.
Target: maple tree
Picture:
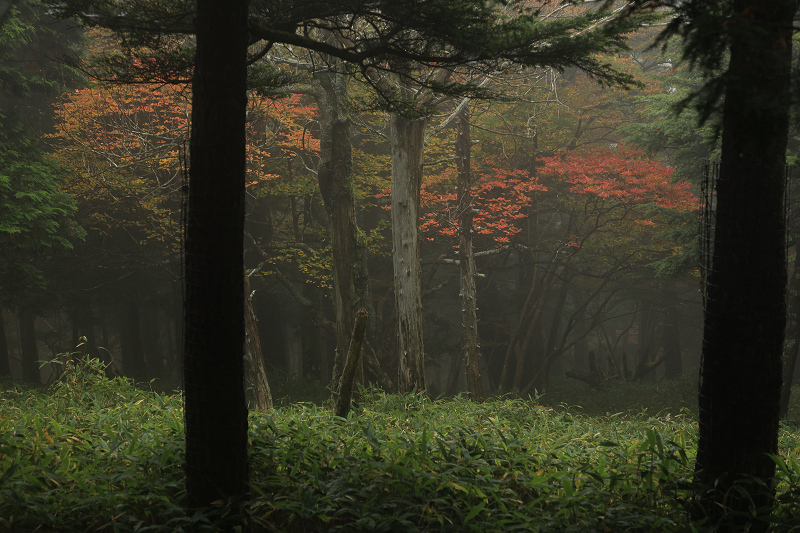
604	218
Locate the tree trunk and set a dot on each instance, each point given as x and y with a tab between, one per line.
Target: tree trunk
132	354
335	176
344	393
30	352
580	354
469	308
316	357
407	152
552	338
791	344
255	370
647	346
5	362
215	407
745	310
673	364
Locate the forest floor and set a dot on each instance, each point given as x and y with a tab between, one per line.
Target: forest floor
93	454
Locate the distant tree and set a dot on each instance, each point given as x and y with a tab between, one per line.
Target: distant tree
36	217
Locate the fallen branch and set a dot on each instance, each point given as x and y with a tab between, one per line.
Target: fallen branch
351	363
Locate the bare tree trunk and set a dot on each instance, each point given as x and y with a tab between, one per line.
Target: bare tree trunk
345	389
335	177
407	142
152	344
469	308
791	343
673	365
552	338
131	336
255	372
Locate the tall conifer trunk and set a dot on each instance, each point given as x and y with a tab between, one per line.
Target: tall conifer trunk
745	313
335	176
469	307
215	408
408	143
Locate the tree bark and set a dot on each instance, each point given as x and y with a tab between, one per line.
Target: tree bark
407	143
345	389
745	310
255	370
215	407
469	307
335	176
132	354
791	344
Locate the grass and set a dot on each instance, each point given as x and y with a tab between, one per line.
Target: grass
92	454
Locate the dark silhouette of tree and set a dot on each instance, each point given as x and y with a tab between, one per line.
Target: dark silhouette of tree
745	310
216	411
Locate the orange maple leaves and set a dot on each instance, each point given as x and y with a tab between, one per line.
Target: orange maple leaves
623	175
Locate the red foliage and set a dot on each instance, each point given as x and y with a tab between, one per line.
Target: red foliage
622	175
499	197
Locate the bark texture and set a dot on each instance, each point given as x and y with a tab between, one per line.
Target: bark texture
745	312
255	370
335	176
791	344
215	408
408	143
469	306
345	388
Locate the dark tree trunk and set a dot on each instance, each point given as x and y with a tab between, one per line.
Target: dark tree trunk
647	340
215	407
745	311
407	153
580	354
132	354
673	364
5	363
317	358
552	340
469	307
152	343
335	176
30	352
83	327
791	344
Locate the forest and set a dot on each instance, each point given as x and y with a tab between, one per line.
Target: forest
398	265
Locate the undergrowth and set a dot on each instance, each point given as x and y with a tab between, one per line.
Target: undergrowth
96	454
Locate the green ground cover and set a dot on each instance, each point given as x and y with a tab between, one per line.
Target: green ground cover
92	454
